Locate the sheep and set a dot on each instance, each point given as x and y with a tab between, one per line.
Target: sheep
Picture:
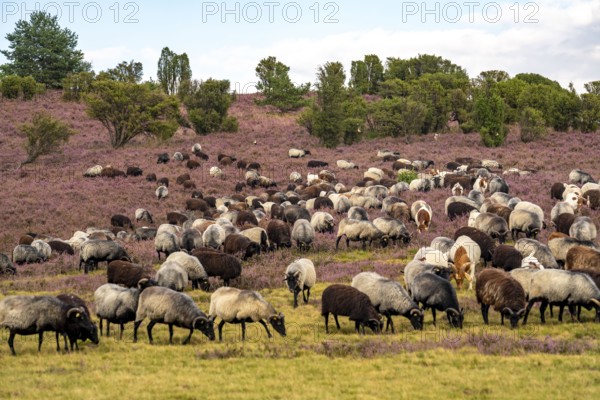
581	257
26	254
374	174
95	251
420	185
538	250
348	301
110	172
389	298
460	199
43	248
358	214
6	266
343	164
465	255
421	213
298	153
193	268
122	221
293	212
216	172
218	264
553	286
497	185
163	182
481	185
437	293
214	236
560	246
279	234
563	222
583	229
493	225
142	214
191	239
418	266
237	306
29	315
524	221
359	231
499	289
127	274
322	222
201	155
161	192
258	235
303	234
507	258
458	209
442	243
240	244
93	172
580	177
74	332
172	275
523	276
457	189
385	152
167	243
166	306
300	276
134	171
432	256
393	228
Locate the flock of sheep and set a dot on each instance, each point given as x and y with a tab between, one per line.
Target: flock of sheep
213	236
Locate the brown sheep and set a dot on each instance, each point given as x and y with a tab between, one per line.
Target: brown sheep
196	205
110	172
246	217
219	264
163	182
500	210
192	164
176	218
564	222
279	233
182	178
581	257
121	221
26	239
239	244
350	302
507	258
189	185
499	289
127	274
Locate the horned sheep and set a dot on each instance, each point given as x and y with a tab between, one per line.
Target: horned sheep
359	231
499	289
437	293
348	301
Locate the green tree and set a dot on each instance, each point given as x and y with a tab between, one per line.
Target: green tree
129	109
489	119
397	117
76	85
42	49
174	73
532	124
328	112
274	83
414	67
131	72
44	135
366	75
208	104
428	91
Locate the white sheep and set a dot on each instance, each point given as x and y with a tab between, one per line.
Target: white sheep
193	268
93	172
214	236
359	231
343	164
215	172
161	192
172	275
43	248
166	242
322	222
303	234
300	276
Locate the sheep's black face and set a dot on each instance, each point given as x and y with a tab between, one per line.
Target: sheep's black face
416	319
513	316
278	323
385	241
204	285
206	326
376	325
292	282
456	319
406	238
80	323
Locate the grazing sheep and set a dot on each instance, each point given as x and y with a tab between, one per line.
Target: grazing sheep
121	221
538	250
142	214
127	274
163	158
420	185
163	305
237	306
193	268
322	222
316	164
348	301
172	275
421	213
460	199
459	209
218	264
298	153
134	171
167	243
75	332
191	239
343	164
214	236
393	228
6	266
493	225
507	258
560	246
497	185
523	276
437	293
239	244
481	185
442	244
457	189
258	235
417	267
293	212
485	242
564	222
279	234
465	255
583	229
300	276
389	298
93	172
43	248
432	256
359	231
30	315
216	172
580	177
26	254
110	172
161	192
524	221
581	257
93	252
303	234
358	213
192	164
163	182
499	289
151	177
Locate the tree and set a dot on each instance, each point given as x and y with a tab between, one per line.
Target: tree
366	75
42	49
208	104
328	112
44	135
397	117
173	71
76	85
489	119
414	67
532	124
129	109
131	72
275	84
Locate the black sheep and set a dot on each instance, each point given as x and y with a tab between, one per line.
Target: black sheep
437	293
73	331
176	218
121	221
485	241
239	186
317	164
163	158
197	194
499	289
279	234
151	177
145	233
254	165
350	302
182	178
201	155
564	222
557	190
507	258
276	212
459	209
196	205
240	244
110	172
134	171
60	247
219	264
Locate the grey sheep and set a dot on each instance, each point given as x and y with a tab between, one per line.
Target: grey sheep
583	228
322	222
557	287
6	266
342	204
303	234
359	231
394	229
389	298
417	267
24	253
443	244
493	225
560	246
191	239
300	276
30	315
142	214
43	248
298	153
562	207
237	306
534	208
193	268
166	306
523	276
161	192
167	243
358	213
498	185
117	304
437	293
94	251
350	302
524	221
214	236
539	250
172	275
580	177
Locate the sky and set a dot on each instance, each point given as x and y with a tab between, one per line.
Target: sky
227	39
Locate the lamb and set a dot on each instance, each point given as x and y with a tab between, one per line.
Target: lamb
43	248
298	153
167	243
583	229
553	286
29	315
348	301
359	231
389	298
465	255
438	293
240	244
161	192
166	306
322	222
300	276
219	264
581	257
26	254
499	289
95	251
421	213
393	228
193	268
279	234
214	236
538	250
127	274
524	221
580	177
237	306
303	234
172	275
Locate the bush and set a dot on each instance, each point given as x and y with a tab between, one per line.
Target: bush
230	124
204	121
44	135
489	117
11	87
533	125
407	176
76	85
29	87
468	127
306	118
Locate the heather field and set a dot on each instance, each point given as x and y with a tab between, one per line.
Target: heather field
52	197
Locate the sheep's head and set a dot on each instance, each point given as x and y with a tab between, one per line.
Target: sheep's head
292	281
532	233
416	317
206	326
455	317
277	321
514	316
79	322
204	284
375	324
461	273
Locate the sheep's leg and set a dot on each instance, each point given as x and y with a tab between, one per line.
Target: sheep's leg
221	330
149	329
187	340
433	314
305	295
107	328
243	331
527	310
158	254
357	327
11	342
390	322
543	307
337	242
41	339
65	339
57	342
121	329
136	325
170	333
336	321
326	322
501	318
100	326
266	328
295	298
484	313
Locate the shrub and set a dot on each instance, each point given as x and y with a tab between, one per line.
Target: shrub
76	85
407	176
230	124
29	87
489	117
11	87
533	125
44	135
